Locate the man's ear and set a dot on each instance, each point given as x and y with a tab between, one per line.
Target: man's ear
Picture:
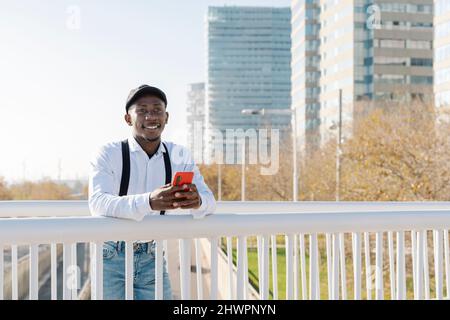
167	117
127	118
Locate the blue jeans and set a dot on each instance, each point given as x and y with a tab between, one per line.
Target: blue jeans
143	273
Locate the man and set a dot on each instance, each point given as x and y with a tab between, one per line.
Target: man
131	179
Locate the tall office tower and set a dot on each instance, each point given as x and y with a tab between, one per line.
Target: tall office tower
249	56
306	71
374	51
196	120
442	52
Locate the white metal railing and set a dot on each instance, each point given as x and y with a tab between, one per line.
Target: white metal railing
323	244
77	208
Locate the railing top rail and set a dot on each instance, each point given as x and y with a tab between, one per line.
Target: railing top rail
80	208
84	229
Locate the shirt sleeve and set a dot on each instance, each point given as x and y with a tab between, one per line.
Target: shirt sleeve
208	205
103	197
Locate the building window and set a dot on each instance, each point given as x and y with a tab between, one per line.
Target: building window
421	62
391	43
421	80
390	78
419	44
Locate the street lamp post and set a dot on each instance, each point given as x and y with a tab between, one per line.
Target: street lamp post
338	147
243	172
219	182
294	139
339	151
294	156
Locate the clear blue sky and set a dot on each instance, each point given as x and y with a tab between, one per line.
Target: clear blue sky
62	91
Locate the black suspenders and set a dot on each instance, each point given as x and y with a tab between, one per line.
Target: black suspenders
125	180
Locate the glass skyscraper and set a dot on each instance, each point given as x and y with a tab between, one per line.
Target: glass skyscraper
306	70
248	67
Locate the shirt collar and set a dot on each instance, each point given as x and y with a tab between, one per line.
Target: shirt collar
136	147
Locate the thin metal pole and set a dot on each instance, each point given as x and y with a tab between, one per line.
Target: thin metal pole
294	152
243	171
219	183
338	150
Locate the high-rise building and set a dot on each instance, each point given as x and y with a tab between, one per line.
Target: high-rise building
196	119
372	50
306	70
442	52
248	67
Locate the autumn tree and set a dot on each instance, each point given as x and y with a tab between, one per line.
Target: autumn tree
395	152
42	190
5	193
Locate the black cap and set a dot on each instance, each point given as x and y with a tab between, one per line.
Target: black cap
144	90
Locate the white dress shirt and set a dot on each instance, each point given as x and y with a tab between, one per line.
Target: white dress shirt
146	175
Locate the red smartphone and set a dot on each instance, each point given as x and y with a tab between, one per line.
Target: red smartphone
181	178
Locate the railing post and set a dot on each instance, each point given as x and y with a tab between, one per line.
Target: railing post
214	268
265	269
53	271
14	276
335	274
166	253
303	266
438	264
328	246
426	273
379	292
260	267
245	269
356	237
129	271
289	273
198	269
414	261
240	268
391	264
401	274
274	267
34	275
67	293
447	263
343	266
314	268
230	268
97	270
159	265
419	270
367	263
74	271
295	268
185	268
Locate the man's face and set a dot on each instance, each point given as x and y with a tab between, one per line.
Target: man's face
148	117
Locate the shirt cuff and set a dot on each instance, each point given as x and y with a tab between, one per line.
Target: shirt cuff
142	205
200	213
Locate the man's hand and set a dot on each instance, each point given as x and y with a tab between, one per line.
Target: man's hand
189	198
168	197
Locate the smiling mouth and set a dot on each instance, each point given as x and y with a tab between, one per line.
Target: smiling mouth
153	127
